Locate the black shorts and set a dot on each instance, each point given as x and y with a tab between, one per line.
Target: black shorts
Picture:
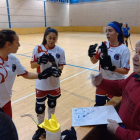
126	36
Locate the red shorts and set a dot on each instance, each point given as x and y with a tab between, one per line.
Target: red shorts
53	93
8	109
101	92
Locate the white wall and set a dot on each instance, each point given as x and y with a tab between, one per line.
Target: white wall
3	14
101	13
57	14
26	13
30	13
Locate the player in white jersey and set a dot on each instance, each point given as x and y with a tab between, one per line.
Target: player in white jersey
114	59
44	56
9	43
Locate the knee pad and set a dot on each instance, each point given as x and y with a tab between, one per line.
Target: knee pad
40	108
51	103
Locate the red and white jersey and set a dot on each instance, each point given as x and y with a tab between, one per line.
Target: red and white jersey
58	53
14	68
120	57
3	71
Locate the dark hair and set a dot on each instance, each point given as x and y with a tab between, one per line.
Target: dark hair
7	128
6	36
120	26
47	31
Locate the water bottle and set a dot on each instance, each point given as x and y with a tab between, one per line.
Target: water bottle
52	127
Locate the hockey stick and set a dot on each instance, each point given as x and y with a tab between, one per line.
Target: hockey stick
131	44
30	115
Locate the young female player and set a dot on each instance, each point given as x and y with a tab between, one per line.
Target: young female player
44	56
114	59
10	67
126	33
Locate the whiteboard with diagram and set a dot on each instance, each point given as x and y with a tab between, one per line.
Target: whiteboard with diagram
94	115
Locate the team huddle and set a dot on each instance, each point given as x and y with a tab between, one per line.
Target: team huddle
49	60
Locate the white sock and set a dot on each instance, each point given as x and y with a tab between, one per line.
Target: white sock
40	118
50	111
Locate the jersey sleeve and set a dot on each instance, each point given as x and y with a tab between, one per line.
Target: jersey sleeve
34	55
62	60
20	69
125	60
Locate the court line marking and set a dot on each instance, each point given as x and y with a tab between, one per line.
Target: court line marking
60	81
77	95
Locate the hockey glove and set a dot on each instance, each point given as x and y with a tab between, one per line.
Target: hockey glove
92	50
69	134
106	63
56	72
43	59
51	71
45	74
104	49
52	60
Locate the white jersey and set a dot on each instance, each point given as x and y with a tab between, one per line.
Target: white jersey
120	57
13	67
3	71
51	82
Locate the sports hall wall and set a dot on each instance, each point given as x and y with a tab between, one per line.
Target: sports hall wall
101	13
31	16
28	15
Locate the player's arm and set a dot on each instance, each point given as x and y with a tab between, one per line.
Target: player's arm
121	70
51	71
30	75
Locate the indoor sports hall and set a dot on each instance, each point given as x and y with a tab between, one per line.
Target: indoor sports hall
80	23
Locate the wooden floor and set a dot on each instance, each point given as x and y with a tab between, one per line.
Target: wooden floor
77	90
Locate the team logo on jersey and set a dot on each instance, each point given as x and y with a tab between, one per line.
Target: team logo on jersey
38	92
117	56
57	55
14	67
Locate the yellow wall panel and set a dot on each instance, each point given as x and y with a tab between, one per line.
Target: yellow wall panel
38	30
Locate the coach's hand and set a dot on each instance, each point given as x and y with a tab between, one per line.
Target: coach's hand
96	79
92	50
112	126
43	59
